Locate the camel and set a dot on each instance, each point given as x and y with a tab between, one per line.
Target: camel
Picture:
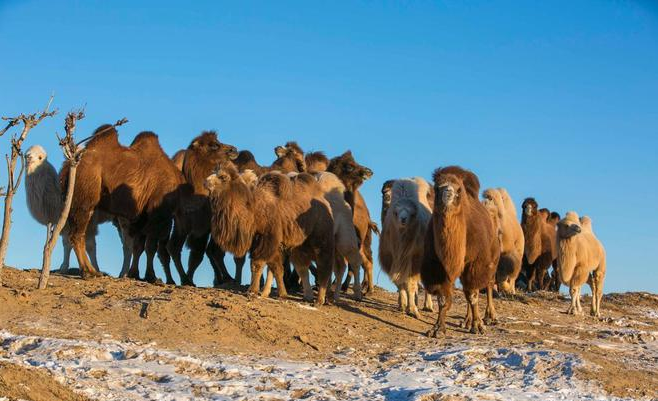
192	221
402	240
498	201
581	258
138	183
460	243
353	176
346	241
540	249
45	203
277	213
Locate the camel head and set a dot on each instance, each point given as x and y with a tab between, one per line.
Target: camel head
554	218
530	207
386	196
207	147
290	158
35	157
349	171
405	213
221	179
492	199
569	226
450	193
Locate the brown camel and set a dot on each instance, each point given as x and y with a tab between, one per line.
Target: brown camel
460	243
353	176
277	213
138	183
540	249
192	222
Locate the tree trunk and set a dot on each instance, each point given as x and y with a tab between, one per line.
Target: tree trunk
6	222
52	236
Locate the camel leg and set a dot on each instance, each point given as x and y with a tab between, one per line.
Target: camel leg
267	288
354	262
277	269
403	298
532	278
444	299
138	249
477	326
257	267
429	305
175	250
579	305
348	280
165	260
239	265
216	257
412	289
572	307
151	248
126	245
197	247
77	236
339	270
90	247
490	312
368	281
325	260
66	244
468	318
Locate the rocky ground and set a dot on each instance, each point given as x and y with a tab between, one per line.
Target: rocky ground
121	339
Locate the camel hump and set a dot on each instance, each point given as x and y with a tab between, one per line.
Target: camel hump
470	180
104	135
244	157
277	184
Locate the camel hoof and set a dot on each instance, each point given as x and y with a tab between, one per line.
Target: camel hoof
490	321
414	314
88	275
477	329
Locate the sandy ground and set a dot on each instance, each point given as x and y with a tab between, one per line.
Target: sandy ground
617	354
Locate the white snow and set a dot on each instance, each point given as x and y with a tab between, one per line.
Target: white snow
112	370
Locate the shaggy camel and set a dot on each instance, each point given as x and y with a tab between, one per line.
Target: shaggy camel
511	239
540	249
277	213
581	259
138	183
45	203
402	240
353	176
192	221
460	243
346	241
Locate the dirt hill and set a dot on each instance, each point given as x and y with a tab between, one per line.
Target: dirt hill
206	321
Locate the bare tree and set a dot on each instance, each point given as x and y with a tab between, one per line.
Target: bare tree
13	181
72	153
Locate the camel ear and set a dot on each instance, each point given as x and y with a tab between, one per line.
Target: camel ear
195	144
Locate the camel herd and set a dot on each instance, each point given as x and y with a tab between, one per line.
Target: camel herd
305	211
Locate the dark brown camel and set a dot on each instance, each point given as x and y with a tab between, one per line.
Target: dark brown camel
461	243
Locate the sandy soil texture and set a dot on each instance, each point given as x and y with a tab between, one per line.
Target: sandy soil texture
615	356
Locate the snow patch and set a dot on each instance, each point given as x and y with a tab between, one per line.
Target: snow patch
110	370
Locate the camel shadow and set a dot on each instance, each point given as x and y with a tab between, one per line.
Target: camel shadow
360	311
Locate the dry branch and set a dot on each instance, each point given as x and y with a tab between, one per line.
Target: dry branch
72	153
13	182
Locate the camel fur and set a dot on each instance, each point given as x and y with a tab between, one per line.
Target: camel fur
401	245
138	183
540	249
460	243
511	238
581	258
277	213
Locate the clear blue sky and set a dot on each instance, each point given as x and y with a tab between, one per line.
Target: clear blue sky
556	100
